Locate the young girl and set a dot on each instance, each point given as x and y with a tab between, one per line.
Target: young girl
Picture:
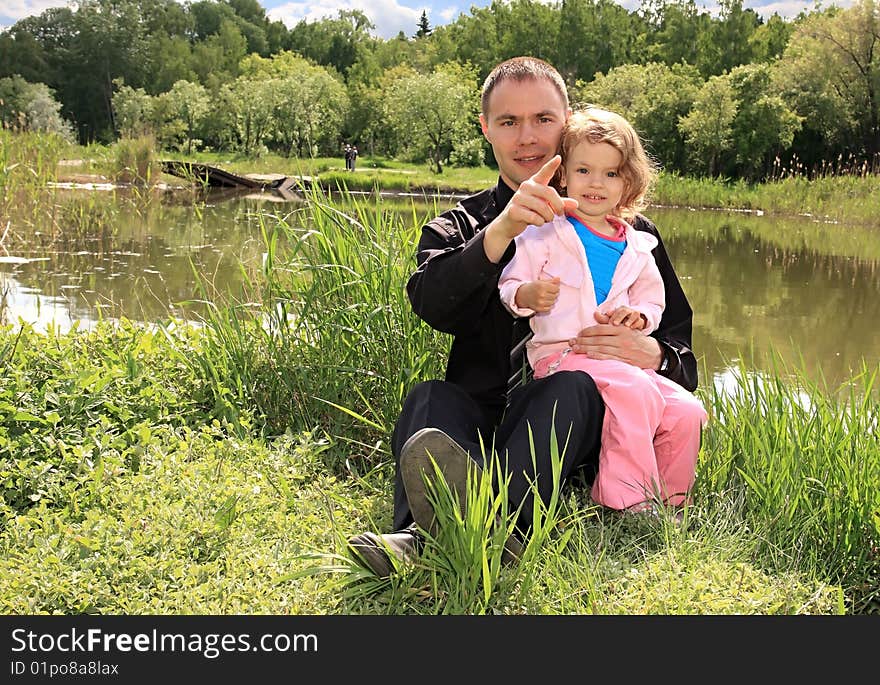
566	271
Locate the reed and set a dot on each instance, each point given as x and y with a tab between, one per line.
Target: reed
851	198
134	160
324	334
801	463
28	162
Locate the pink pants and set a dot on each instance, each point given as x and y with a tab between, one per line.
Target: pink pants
650	435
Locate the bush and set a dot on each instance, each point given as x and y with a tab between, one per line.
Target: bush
135	160
469	152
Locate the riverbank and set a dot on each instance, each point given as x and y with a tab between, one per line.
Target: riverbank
846	199
126	491
219	469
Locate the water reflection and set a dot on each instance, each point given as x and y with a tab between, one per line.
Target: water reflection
144	268
752	293
807	290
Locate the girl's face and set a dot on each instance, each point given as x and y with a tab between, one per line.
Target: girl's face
591	175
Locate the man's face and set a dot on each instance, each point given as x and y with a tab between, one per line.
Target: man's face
523	124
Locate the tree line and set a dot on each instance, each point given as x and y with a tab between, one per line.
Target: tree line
730	95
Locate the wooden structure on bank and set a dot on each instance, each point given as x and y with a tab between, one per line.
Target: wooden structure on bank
286	186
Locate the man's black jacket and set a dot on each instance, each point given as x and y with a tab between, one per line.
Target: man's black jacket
455	290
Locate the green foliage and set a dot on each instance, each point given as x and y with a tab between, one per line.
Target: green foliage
207	524
468	152
430	113
331	297
137	473
829	73
653	97
336	42
823	64
28	161
805	465
708	126
187	103
31	107
132	111
80	407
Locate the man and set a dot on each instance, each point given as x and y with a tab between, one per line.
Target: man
461	254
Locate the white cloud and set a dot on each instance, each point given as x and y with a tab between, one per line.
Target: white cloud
19	9
448	14
389	16
787	9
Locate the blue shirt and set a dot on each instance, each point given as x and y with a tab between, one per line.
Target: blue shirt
603	253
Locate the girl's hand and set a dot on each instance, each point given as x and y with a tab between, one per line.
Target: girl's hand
539	296
627	316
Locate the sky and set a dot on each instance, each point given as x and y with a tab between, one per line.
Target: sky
392	16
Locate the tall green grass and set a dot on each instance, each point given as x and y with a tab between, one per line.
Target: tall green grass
135	160
325	336
121	494
28	162
800	466
845	198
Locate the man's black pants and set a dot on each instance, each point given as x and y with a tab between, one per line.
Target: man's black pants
578	421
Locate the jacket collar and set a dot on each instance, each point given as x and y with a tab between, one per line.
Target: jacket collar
640	241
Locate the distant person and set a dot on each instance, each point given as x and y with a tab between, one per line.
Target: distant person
347	152
589	265
354	156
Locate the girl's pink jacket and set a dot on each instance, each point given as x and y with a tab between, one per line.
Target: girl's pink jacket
554	249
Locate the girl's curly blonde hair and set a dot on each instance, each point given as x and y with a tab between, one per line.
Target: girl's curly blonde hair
637	169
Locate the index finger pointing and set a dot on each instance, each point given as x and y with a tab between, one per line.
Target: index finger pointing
545	173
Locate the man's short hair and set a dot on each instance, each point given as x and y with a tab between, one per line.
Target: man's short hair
520	69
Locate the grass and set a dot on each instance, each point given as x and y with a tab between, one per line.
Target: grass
165	509
175	512
219	468
850	198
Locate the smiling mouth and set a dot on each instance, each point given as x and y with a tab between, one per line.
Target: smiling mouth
594	197
530	158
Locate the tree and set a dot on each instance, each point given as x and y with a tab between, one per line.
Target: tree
577	58
653	97
133	111
32	107
769	40
764	125
175	63
309	102
727	41
431	112
22	54
216	60
708	127
250	105
188	103
424	27
830	74
675	38
335	43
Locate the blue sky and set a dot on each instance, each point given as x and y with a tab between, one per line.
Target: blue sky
391	16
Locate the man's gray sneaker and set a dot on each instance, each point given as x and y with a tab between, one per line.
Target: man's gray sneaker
375	551
454	463
415	464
